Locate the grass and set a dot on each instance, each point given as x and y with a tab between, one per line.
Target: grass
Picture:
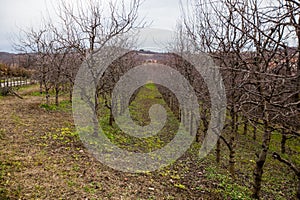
226	185
59	158
146	97
38	94
7	168
63	105
275	179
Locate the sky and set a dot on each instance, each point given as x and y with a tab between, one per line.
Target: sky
16	14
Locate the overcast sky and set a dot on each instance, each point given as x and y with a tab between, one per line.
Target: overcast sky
26	13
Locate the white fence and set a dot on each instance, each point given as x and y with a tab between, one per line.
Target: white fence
15	81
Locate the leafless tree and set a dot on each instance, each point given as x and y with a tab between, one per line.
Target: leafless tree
84	27
90	27
38	45
249	40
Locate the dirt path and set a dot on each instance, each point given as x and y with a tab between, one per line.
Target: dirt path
40	158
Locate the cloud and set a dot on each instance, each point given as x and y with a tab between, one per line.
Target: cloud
15	14
154	39
163	13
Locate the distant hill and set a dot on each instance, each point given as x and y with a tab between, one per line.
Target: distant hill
7	58
12	59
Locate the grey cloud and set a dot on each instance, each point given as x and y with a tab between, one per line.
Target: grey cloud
23	14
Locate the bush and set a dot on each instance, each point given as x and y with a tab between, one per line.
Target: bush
4	91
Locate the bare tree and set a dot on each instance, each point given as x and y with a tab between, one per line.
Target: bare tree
89	28
84	27
38	45
249	41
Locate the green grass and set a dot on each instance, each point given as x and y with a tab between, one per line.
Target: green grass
64	105
226	185
278	180
38	94
139	108
26	87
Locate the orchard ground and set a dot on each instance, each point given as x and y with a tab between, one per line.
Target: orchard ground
42	157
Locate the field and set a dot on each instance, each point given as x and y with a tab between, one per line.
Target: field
42	157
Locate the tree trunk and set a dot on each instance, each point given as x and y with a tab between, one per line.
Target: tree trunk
232	162
246	127
258	172
297	96
231	145
236	120
254	129
41	87
95	116
257	178
56	95
218	152
204	121
47	96
283	141
70	94
198	134
111	118
191	123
